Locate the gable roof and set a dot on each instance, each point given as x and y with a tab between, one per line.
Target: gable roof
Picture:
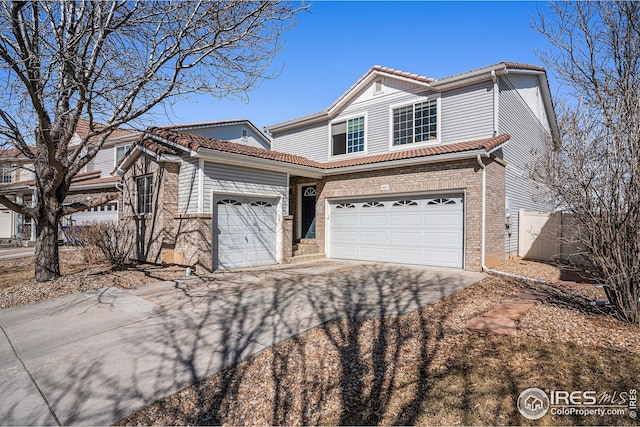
161	141
436	85
220	123
82	180
14	154
83	128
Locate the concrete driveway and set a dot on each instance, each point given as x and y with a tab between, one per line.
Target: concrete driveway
95	357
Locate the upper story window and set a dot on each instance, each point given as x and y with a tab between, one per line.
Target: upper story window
7	173
121	151
347	136
415	123
144	185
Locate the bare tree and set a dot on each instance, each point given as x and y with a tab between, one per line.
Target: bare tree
595	170
112	62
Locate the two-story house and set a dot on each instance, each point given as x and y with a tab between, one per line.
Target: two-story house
18	183
401	168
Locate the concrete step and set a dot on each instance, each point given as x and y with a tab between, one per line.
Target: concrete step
303	258
305	249
308	241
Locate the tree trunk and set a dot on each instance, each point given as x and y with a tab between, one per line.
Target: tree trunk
47	261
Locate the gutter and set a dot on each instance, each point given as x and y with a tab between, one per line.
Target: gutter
318	172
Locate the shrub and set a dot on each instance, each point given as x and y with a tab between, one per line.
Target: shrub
104	240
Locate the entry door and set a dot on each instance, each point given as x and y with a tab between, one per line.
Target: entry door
409	230
244	231
308	212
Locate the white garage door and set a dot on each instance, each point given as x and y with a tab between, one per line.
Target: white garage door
6	224
408	230
246	232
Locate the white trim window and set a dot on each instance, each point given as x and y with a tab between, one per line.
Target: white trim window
348	136
121	150
415	123
144	186
7	173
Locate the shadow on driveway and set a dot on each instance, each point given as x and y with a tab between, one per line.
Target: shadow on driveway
99	356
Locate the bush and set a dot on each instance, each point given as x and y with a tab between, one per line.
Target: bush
103	241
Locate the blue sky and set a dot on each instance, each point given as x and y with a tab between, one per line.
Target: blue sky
335	43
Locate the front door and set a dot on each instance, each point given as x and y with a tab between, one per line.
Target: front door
308	229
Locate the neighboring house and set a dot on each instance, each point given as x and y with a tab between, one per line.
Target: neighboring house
241	131
18	183
401	168
14	169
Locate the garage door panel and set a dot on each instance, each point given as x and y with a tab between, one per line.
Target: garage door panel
345	252
440	220
373	236
442	258
246	232
344	220
405	237
405	256
373	253
443	238
366	220
401	218
426	230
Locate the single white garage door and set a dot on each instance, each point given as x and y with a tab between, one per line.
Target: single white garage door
244	232
409	230
6	224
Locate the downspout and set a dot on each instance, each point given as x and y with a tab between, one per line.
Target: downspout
484	222
496	99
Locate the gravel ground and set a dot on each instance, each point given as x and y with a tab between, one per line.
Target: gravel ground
79	277
548	271
424	367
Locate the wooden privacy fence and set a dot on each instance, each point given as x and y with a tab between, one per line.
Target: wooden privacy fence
547	237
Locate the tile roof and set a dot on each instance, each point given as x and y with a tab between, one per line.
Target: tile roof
523	66
13	153
94	181
195	143
212	123
84	178
82	129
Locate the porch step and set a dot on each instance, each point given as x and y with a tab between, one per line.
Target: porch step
304	248
303	258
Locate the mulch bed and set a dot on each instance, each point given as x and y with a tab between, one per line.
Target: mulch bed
422	368
79	277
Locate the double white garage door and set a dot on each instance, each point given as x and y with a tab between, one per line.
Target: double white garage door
408	230
244	232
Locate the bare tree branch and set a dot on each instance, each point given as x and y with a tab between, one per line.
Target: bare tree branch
595	172
111	62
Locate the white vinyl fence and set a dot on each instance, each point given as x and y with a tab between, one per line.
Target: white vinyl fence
547	237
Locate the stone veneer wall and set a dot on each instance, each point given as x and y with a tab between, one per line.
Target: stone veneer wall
154	231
